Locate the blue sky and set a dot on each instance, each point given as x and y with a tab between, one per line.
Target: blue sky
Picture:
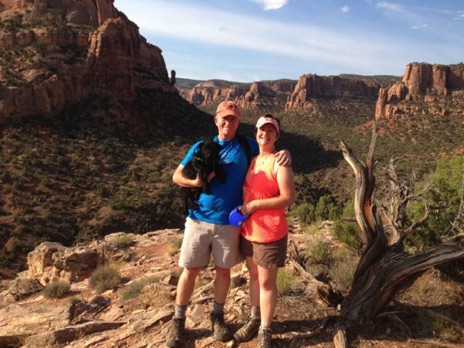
255	40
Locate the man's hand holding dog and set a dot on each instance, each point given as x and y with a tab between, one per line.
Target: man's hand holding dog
181	180
197	182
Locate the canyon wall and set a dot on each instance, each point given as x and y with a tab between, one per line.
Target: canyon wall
56	53
425	89
282	94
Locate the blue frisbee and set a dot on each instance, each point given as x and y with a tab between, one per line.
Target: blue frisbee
236	218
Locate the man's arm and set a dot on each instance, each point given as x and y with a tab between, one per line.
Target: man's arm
181	180
283	158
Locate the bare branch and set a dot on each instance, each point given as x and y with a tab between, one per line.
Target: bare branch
401	194
418	222
458	224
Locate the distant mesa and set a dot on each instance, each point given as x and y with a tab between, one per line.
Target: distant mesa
425	89
432	88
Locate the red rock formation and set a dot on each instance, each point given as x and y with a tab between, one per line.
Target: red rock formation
249	96
266	93
314	86
98	52
434	85
204	94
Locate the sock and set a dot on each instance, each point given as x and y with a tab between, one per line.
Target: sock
179	311
255	312
218	307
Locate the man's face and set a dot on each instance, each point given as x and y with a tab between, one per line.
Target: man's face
227	126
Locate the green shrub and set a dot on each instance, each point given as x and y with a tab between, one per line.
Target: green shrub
56	289
445	199
305	213
347	232
285	279
342	270
156	295
320	251
104	278
441	327
123	242
175	247
327	209
134	289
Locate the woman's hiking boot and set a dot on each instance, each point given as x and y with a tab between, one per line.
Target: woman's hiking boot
176	333
220	330
264	338
248	330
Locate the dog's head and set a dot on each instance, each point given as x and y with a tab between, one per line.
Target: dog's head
209	151
205	159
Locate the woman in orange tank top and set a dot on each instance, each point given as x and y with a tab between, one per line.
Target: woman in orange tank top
268	189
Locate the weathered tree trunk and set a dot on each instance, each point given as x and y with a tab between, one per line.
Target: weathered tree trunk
383	265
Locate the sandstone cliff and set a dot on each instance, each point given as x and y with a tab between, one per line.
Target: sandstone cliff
282	94
424	89
250	96
57	53
313	86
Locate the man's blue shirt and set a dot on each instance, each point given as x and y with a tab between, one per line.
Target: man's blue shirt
215	207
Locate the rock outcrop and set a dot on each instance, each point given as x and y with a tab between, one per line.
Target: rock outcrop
281	94
208	92
424	89
249	96
313	86
57	53
267	93
138	311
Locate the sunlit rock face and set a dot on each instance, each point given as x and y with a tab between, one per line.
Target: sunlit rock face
424	89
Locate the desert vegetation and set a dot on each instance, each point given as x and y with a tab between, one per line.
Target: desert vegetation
76	177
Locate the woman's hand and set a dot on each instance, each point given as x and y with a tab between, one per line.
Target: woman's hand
248	208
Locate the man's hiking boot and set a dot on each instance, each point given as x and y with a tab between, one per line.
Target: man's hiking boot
220	330
176	333
264	338
248	330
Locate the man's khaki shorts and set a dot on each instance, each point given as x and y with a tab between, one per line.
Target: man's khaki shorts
201	239
266	255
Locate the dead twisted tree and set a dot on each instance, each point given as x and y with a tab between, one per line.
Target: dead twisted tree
384	265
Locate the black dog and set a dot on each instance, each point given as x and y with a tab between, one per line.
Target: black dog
204	162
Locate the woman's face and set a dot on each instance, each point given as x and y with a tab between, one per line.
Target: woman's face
266	135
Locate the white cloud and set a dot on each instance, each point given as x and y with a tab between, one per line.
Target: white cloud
422	26
395	9
345	9
217	28
388	5
271	4
210	31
